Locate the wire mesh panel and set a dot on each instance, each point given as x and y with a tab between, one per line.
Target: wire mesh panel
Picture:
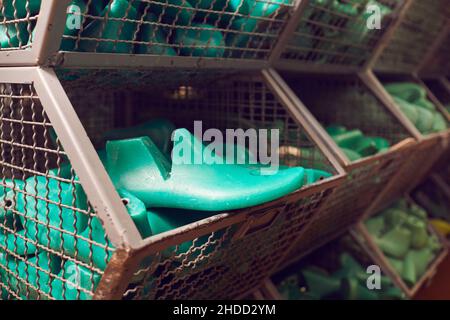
418	268
17	20
338	33
218	29
415	36
438	63
205	259
52	245
345	101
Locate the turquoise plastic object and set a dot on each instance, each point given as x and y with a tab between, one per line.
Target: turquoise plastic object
75	6
246	26
18	8
119	33
29	272
164	219
12	35
203	41
320	284
229	7
408	91
158	130
137	165
179	12
75	276
96	252
17	243
154	35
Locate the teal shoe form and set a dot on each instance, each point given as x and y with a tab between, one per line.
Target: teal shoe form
335	130
419	232
163	219
246	26
12	35
179	13
75	6
158	130
351	155
202	41
240	7
18	8
266	8
16	242
91	245
353	290
75	276
395	243
407	91
51	213
29	272
396	264
154	35
375	225
137	165
116	35
11	196
320	284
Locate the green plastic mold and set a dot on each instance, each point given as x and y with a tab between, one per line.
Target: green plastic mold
13	9
119	33
180	12
138	166
68	44
154	35
12	35
201	40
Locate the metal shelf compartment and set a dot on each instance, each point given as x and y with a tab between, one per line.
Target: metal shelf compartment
334	36
346	100
146	33
327	260
422	27
366	240
431	149
223	256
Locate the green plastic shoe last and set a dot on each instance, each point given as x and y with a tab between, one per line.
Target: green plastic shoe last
439	122
396	264
75	6
348	139
419	232
351	155
137	165
240	7
375	225
421	259
245	25
409	110
204	41
395	242
394	217
409	272
18	8
353	290
112	30
320	284
163	219
426	104
13	35
408	91
156	36
17	243
75	276
381	144
335	130
158	130
313	175
180	13
96	253
28	272
50	212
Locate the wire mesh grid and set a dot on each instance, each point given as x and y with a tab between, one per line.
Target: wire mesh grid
419	163
219	29
439	63
439	89
214	264
338	33
238	269
415	36
52	245
17	21
334	101
367	241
